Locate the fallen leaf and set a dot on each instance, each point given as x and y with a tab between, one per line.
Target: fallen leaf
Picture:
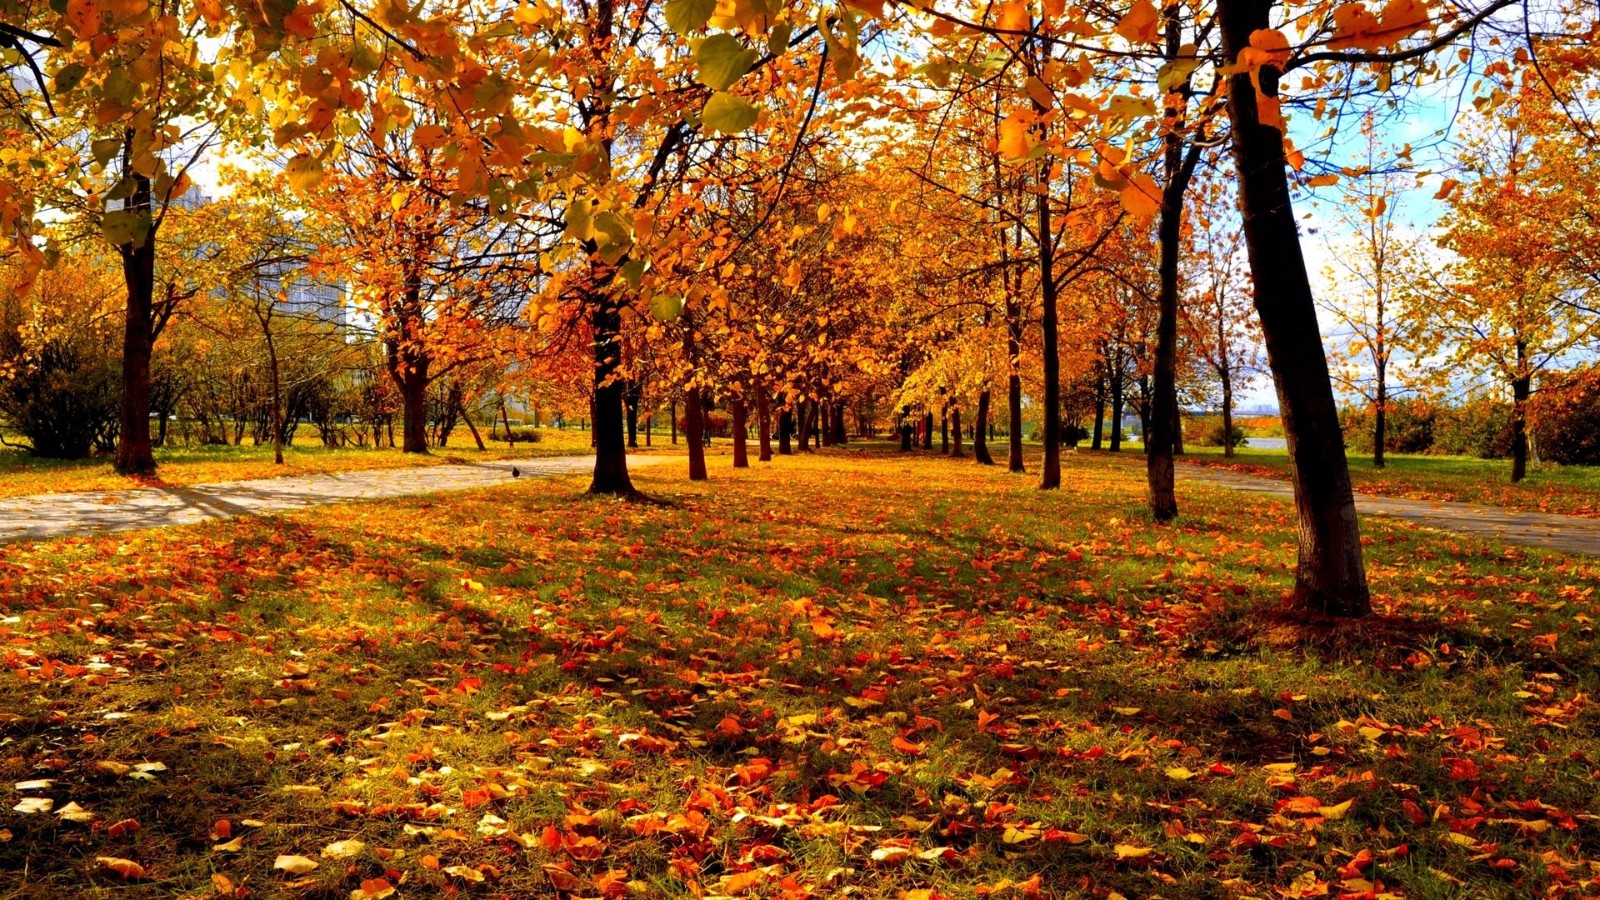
295	865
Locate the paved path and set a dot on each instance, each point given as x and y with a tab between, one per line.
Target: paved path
1570	534
59	515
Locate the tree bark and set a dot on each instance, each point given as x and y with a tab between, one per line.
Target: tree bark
672	413
1380	420
610	442
1050	470
944	429
413	386
694	432
1116	379
980	440
763	424
1227	415
1521	389
135	455
741	453
927	430
955	430
785	429
1330	578
906	429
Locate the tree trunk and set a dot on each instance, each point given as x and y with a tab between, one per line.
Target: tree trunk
927	430
1521	387
763	424
944	429
672	413
1050	471
804	421
1330	578
135	455
980	440
277	392
473	429
1380	420
694	432
631	401
741	453
1097	440
414	397
906	429
610	442
955	429
1227	416
1116	400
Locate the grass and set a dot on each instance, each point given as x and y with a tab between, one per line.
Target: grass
22	475
1567	490
849	673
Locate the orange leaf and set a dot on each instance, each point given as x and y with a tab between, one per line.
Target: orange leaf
127	868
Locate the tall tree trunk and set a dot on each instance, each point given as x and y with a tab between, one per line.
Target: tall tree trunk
694	431
785	429
1117	378
135	455
927	430
741	453
1099	408
414	409
630	400
672	413
1227	415
955	429
763	424
277	391
944	429
1330	578
610	441
473	429
1013	386
1050	471
1380	419
825	434
1521	388
906	429
980	440
805	421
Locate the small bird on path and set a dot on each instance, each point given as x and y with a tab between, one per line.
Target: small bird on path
516	472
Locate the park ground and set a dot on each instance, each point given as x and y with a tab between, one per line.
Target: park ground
849	673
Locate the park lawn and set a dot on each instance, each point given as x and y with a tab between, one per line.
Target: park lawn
848	673
22	475
1567	490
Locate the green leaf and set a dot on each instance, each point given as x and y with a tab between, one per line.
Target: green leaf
104	149
125	226
728	114
580	220
687	16
778	39
633	270
69	77
723	60
666	308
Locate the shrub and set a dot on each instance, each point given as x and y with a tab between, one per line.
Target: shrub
1566	418
1408	426
60	378
525	435
1478	427
1209	433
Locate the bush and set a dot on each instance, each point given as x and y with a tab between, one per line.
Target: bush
60	381
1408	426
525	435
1209	433
1479	427
1566	418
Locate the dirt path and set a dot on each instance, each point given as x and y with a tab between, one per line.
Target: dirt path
1569	534
59	515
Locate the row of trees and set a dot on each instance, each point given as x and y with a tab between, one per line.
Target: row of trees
764	203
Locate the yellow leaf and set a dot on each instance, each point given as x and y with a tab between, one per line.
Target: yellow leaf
1179	773
1129	851
127	868
1142	197
1015	142
304	172
295	865
1141	25
1323	180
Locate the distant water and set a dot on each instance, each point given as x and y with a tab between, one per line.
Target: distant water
1266	443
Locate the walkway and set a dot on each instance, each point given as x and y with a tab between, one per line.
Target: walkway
59	515
1569	534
